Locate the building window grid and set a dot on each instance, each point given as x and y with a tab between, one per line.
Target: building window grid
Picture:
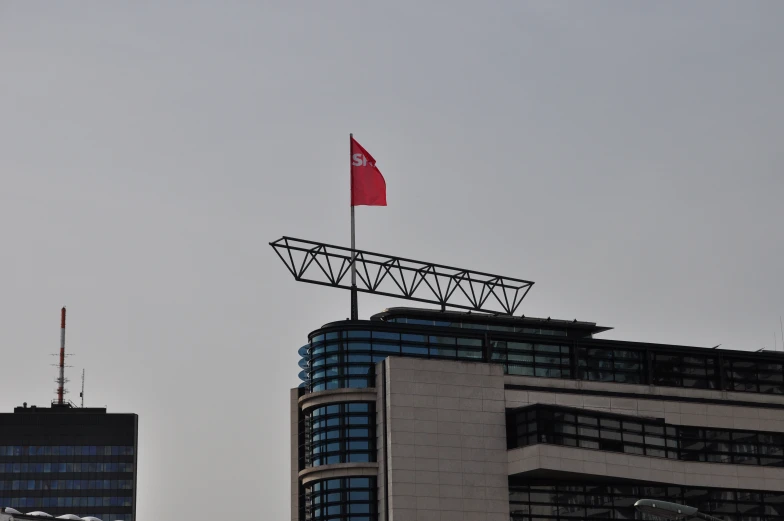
533	359
346	359
682	370
555	501
757	377
65	450
568	427
64	467
66	484
343	499
340	433
611	365
68	502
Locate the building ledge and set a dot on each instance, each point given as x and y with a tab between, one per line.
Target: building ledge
552	460
336	396
650	391
338	470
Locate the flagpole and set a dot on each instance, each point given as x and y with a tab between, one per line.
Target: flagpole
354	303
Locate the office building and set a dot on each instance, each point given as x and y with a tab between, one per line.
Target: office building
69	460
426	415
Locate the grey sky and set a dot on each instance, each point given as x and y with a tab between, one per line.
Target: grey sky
626	156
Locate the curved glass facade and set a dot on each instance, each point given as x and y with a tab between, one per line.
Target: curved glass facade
340	433
344	355
343	499
347	358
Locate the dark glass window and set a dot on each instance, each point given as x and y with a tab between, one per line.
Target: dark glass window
328	361
340	433
757	377
464	324
684	371
343	499
347	358
533	359
611	365
616	433
537	500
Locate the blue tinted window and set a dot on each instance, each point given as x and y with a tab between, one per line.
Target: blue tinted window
441	351
414	350
330	440
383	335
334	501
386	348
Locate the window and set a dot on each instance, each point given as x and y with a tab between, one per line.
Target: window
611	365
529	359
335	351
684	371
754	376
346	359
615	500
616	433
340	433
339	499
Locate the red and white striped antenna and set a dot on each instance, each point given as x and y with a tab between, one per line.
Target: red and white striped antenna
61	378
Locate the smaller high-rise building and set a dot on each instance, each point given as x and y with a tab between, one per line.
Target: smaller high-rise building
66	460
69	460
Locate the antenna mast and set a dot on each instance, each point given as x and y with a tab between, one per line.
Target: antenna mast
61	379
81	394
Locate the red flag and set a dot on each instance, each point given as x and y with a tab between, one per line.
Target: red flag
368	187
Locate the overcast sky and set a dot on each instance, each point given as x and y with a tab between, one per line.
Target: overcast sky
626	156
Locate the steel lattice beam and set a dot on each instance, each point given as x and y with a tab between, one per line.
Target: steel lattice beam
329	265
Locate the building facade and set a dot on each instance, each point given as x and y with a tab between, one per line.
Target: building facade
68	460
419	415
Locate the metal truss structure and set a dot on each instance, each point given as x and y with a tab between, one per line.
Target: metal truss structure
329	265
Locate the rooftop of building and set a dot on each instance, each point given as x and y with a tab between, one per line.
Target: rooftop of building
58	409
549	327
503	322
